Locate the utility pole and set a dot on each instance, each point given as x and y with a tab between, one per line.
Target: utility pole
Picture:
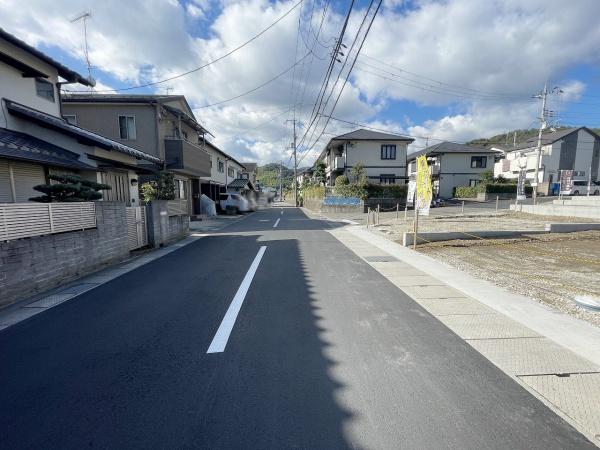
543	96
280	181
295	164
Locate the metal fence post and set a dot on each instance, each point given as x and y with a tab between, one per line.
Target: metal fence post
497	197
462	208
397	210
377	213
405	210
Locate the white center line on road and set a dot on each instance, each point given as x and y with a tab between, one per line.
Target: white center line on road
276	223
222	336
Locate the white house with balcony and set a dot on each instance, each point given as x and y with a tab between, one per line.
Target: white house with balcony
452	165
223	170
382	155
576	149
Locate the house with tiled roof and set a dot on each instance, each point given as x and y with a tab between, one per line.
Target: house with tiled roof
36	141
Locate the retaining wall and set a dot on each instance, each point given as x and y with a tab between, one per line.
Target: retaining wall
584	211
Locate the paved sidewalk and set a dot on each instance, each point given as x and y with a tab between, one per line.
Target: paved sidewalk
518	335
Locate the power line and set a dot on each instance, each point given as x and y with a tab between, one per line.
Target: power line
174	77
441	82
257	87
364	38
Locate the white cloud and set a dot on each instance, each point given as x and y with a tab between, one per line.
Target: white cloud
504	47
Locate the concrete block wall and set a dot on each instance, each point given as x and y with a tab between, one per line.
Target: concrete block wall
162	228
35	264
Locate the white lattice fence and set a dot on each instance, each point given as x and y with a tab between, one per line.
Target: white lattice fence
21	220
137	231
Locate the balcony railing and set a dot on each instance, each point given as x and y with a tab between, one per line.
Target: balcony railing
187	158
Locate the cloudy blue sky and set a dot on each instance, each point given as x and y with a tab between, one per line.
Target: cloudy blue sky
454	69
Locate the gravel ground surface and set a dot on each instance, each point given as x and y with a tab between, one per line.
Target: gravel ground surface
550	268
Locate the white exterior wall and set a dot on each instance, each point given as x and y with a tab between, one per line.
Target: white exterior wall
455	170
221	177
550	159
368	153
22	90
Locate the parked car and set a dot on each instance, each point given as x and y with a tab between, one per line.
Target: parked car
233	202
580	187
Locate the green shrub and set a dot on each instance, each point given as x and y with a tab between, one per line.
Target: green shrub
163	188
313	192
342	180
387	190
466	191
350	190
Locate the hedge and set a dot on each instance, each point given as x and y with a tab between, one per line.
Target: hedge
387	190
350	190
491	188
466	191
503	188
313	192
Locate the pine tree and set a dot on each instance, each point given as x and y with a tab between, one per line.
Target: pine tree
69	188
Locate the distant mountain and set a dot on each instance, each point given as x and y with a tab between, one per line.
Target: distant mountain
268	175
522	135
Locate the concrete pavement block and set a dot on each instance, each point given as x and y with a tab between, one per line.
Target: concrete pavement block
442	291
415	280
577	396
49	301
486	326
532	356
454	306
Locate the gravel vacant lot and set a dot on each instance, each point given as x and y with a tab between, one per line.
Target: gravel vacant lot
550	268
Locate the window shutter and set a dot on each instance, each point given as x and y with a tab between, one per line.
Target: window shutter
26	177
5	191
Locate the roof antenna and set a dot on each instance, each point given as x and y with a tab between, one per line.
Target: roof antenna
84	17
168	89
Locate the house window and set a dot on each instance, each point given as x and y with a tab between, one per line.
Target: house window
210	158
387	178
230	172
220	166
473	183
478	162
44	89
388	152
71	118
127	127
185	136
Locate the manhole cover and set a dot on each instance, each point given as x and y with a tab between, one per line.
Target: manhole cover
380	258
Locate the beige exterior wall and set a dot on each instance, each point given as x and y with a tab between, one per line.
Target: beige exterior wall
103	118
22	90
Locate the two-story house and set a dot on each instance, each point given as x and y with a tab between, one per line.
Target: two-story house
161	125
452	165
382	155
35	141
576	149
223	170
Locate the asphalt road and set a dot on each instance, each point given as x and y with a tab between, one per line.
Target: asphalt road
325	353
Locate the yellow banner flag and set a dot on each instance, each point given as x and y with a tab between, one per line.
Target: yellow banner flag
424	191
